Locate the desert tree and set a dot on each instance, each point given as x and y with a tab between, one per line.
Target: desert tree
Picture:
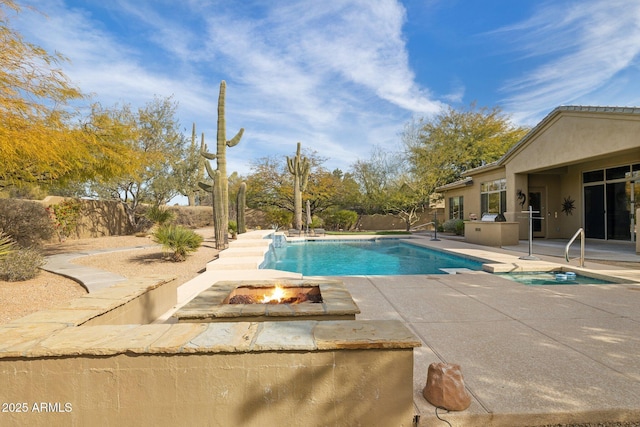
388	186
191	170
269	186
41	139
157	146
441	148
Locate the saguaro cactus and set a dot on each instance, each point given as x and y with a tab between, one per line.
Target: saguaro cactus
241	201
195	171
299	167
220	187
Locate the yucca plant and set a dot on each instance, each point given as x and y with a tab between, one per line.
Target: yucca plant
179	240
159	215
7	245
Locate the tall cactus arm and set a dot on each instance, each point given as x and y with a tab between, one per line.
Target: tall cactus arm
206	187
240	207
209	156
222	125
304	174
234	141
210	170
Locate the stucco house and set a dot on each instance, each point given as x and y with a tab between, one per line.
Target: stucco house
579	167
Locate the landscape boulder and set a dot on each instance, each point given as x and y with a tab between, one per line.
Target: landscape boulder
445	387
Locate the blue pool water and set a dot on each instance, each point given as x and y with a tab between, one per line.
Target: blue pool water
364	257
551	278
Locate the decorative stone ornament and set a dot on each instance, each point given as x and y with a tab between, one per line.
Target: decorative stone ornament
568	205
445	387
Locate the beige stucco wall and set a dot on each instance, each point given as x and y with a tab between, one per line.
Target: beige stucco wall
340	387
98	217
491	233
142	308
471	193
558	154
570	137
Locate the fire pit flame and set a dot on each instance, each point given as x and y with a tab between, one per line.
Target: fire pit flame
276	296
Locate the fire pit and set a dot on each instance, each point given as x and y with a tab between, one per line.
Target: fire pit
256	301
277	294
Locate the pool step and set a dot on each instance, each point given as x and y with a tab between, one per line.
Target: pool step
456	270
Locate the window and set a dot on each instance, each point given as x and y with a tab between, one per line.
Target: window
617	173
493	196
456	207
610	174
593	176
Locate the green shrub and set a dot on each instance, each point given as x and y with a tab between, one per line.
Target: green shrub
7	245
278	218
178	240
159	215
340	220
19	265
233	226
26	222
65	216
453	226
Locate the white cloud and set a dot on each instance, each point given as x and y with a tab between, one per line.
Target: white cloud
334	75
583	44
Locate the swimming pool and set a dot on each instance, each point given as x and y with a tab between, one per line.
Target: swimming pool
362	257
537	278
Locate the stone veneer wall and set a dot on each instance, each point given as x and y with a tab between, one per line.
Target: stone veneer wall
56	369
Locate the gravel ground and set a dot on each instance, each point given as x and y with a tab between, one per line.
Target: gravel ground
48	290
607	424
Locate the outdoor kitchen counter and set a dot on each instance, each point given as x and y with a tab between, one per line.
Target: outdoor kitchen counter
489	233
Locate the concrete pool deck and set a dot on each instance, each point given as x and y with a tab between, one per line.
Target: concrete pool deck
529	355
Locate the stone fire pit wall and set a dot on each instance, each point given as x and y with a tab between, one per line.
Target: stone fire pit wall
210	305
59	371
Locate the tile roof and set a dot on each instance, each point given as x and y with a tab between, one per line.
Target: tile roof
598	109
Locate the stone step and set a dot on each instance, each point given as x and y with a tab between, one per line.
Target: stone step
249	243
255	235
242	263
252	251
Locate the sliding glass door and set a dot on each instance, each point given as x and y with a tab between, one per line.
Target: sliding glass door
611	197
594	212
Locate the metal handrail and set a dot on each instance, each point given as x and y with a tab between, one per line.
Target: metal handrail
580	233
418	227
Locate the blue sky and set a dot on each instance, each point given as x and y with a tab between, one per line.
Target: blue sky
342	76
